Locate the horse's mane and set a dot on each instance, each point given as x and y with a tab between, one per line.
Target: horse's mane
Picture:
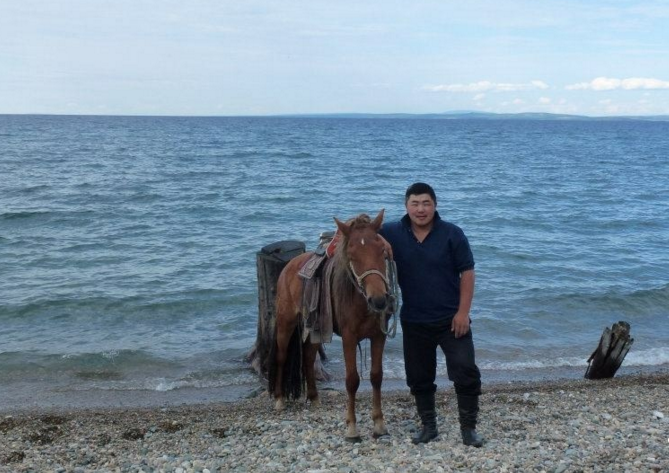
343	290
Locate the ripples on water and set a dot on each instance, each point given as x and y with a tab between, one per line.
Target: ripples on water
137	235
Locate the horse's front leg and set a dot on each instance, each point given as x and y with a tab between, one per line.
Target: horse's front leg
376	377
352	384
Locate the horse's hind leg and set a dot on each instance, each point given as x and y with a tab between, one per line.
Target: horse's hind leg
310	351
284	332
376	377
281	351
352	384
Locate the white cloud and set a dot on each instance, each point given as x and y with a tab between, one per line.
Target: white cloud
642	83
518	102
479	97
633	83
487	86
544	100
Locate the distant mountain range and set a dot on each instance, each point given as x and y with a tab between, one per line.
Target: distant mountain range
468	115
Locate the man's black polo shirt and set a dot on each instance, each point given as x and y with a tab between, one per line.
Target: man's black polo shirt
429	272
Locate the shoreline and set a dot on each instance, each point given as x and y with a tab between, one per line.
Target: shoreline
17	397
563	425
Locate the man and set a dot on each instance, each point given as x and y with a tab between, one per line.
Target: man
435	269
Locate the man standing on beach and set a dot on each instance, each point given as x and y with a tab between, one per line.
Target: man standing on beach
435	269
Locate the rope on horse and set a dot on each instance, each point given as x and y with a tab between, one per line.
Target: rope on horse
393	288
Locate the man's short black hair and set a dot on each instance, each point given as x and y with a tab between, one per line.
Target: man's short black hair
418	188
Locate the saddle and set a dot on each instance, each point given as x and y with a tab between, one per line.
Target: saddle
316	274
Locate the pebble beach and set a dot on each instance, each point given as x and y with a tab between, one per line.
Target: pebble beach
621	424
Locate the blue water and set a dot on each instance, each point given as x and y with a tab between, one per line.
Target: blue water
127	244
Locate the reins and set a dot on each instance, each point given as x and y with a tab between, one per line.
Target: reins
394	290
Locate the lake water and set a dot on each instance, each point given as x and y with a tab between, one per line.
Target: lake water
127	244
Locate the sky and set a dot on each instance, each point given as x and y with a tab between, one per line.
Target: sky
261	57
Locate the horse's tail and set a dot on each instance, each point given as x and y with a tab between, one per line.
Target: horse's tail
293	380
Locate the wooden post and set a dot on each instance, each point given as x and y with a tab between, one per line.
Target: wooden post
609	355
270	260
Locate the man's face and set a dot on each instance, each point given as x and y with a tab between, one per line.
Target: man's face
421	209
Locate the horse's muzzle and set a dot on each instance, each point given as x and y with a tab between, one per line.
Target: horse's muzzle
380	303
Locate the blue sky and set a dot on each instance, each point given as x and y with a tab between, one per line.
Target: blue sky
251	57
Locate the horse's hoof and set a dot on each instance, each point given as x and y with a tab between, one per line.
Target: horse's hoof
357	439
315	403
279	405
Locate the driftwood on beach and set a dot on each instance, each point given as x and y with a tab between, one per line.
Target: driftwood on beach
610	353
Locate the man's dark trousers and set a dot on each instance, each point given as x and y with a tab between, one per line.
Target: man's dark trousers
420	342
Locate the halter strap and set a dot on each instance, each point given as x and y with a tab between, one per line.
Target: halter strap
359	279
390	280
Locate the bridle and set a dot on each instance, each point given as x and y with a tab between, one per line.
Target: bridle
359	279
392	289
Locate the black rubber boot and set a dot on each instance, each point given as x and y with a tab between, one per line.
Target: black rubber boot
428	417
468	407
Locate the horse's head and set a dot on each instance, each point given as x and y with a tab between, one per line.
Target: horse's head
365	254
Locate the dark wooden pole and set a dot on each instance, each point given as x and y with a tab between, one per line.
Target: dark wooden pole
610	353
270	260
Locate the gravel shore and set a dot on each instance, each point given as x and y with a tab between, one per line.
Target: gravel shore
564	426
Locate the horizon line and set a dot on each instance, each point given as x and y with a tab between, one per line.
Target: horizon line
455	114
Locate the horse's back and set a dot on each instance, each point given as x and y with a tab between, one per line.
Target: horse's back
291	270
289	286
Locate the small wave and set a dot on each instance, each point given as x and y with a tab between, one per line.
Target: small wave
236	379
140	198
82	247
280	199
22	215
145	306
260	216
240	154
627	225
533	364
104	365
641	302
296	155
33	189
650	357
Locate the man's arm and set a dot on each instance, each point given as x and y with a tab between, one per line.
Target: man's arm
460	324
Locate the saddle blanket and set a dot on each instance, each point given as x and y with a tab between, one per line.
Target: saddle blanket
316	274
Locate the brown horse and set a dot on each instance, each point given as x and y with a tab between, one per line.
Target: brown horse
361	301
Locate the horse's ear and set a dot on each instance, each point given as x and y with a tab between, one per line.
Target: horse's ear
378	221
345	229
